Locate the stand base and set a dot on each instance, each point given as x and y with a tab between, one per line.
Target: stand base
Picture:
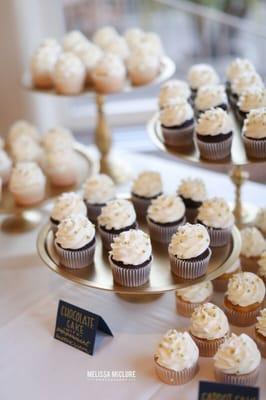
22	222
118	170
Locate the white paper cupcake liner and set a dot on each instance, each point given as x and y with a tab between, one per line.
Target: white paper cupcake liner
141	205
207	348
255	148
215	151
163	234
233	379
108	238
93	211
76	259
261	343
130	276
178	137
185	308
171	377
219	237
187	269
239	318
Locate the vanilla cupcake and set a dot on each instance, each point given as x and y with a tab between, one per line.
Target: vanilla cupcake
211	96
152	43
189	251
220	283
189	298
216	216
254	134
116	216
90	57
131	258
164	215
66	205
97	191
133	37
143	66
201	75
209	328
253	97
5	166
75	242
104	36
69	74
27	184
244	298
24	148
237	361
214	133
119	47
242	83
146	187
74	39
57	138
262	267
176	358
19	128
260	332
109	74
193	193
61	166
172	92
177	124
260	220
253	244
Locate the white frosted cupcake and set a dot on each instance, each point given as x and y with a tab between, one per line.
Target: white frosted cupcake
252	98
253	244
74	39
201	75
189	251
193	193
61	167
69	74
211	96
146	187
216	216
260	220
5	166
254	134
176	358
116	216
209	328
24	148
152	43
27	183
143	66
237	361
244	298
119	47
57	138
109	74
172	92
104	36
242	83
189	298
262	267
90	57
66	205
164	215
220	283
260	332
97	191
133	37
131	258
237	67
19	128
75	242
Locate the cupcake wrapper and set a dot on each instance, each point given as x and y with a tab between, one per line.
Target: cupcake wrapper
191	214
178	138
233	379
163	234
185	308
187	269
249	264
242	318
130	277
261	343
140	205
219	237
207	348
255	148
172	377
93	212
108	238
215	151
76	259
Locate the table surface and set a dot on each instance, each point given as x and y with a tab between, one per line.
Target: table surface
36	366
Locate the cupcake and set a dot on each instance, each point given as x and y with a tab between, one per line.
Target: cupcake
119	47
24	148
69	74
146	187
104	36
152	43
73	39
131	258
253	244
5	166
242	83
164	215
116	216
189	298
254	134
244	298
97	191
19	128
189	251
57	138
133	37
75	242
237	67
61	166
214	133
201	75
262	267
27	184
177	122
260	332
90	57
143	66
66	205
176	358
237	361
193	193
260	220
172	92
211	96
217	217
109	74
220	283
209	328
253	97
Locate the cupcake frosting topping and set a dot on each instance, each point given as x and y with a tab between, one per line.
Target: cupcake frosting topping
22	127
238	67
253	242
215	213
245	288
117	214
45	58
253	97
148	184
210	96
68	204
244	81
99	189
262	265
143	59
26	175
75	232
255	123
110	66
209	322
165	209
189	241
214	121
193	189
261	324
177	351
202	74
68	66
173	91
176	114
131	247
24	148
260	220
196	293
104	36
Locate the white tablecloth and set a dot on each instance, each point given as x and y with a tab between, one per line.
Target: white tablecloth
36	366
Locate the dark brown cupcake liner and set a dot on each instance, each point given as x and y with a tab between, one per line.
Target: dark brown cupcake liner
255	148
187	269
108	238
141	205
185	308
163	234
207	348
191	214
171	377
180	137
130	276
76	259
239	318
249	264
219	237
215	150
261	343
93	211
233	379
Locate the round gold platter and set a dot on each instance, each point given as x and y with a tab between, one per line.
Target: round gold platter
99	276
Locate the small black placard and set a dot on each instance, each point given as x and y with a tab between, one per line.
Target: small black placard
78	327
221	391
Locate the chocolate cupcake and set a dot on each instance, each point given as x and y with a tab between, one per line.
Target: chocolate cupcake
193	193
211	96
200	75
241	84
146	187
173	92
260	332
254	134
236	68
252	246
253	97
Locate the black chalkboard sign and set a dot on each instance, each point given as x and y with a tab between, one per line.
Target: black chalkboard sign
78	327
221	391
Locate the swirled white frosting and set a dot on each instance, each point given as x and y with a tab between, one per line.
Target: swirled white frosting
209	322
22	127
24	148
133	37
244	81
176	114
57	137
89	55
132	247
189	241
202	74
262	265
66	205
119	47
142	60
193	189
165	209
74	232
147	184
73	39
254	125
237	355
253	97
110	66
245	288
68	67
196	293
117	214
25	176
253	242
238	67
99	189
209	96
44	59
103	36
214	121
261	324
5	166
173	91
260	220
177	351
216	213
152	41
